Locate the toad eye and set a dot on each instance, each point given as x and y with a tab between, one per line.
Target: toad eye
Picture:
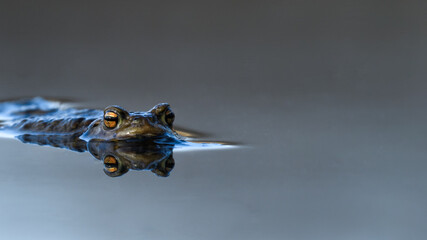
111	119
169	117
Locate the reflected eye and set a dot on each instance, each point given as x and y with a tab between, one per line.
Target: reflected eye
111	119
111	164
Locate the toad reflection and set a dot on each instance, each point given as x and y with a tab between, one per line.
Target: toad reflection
118	156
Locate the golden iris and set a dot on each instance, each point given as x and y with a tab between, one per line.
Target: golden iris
111	119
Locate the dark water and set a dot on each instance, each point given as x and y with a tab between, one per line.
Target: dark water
327	98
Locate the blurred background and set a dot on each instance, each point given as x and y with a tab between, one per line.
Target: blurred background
326	98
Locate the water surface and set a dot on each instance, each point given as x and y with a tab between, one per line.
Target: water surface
327	98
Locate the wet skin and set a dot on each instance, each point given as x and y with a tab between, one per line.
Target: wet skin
115	124
122	140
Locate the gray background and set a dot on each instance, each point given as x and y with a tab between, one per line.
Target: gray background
326	97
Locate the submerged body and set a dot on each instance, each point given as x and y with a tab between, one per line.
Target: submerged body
122	140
